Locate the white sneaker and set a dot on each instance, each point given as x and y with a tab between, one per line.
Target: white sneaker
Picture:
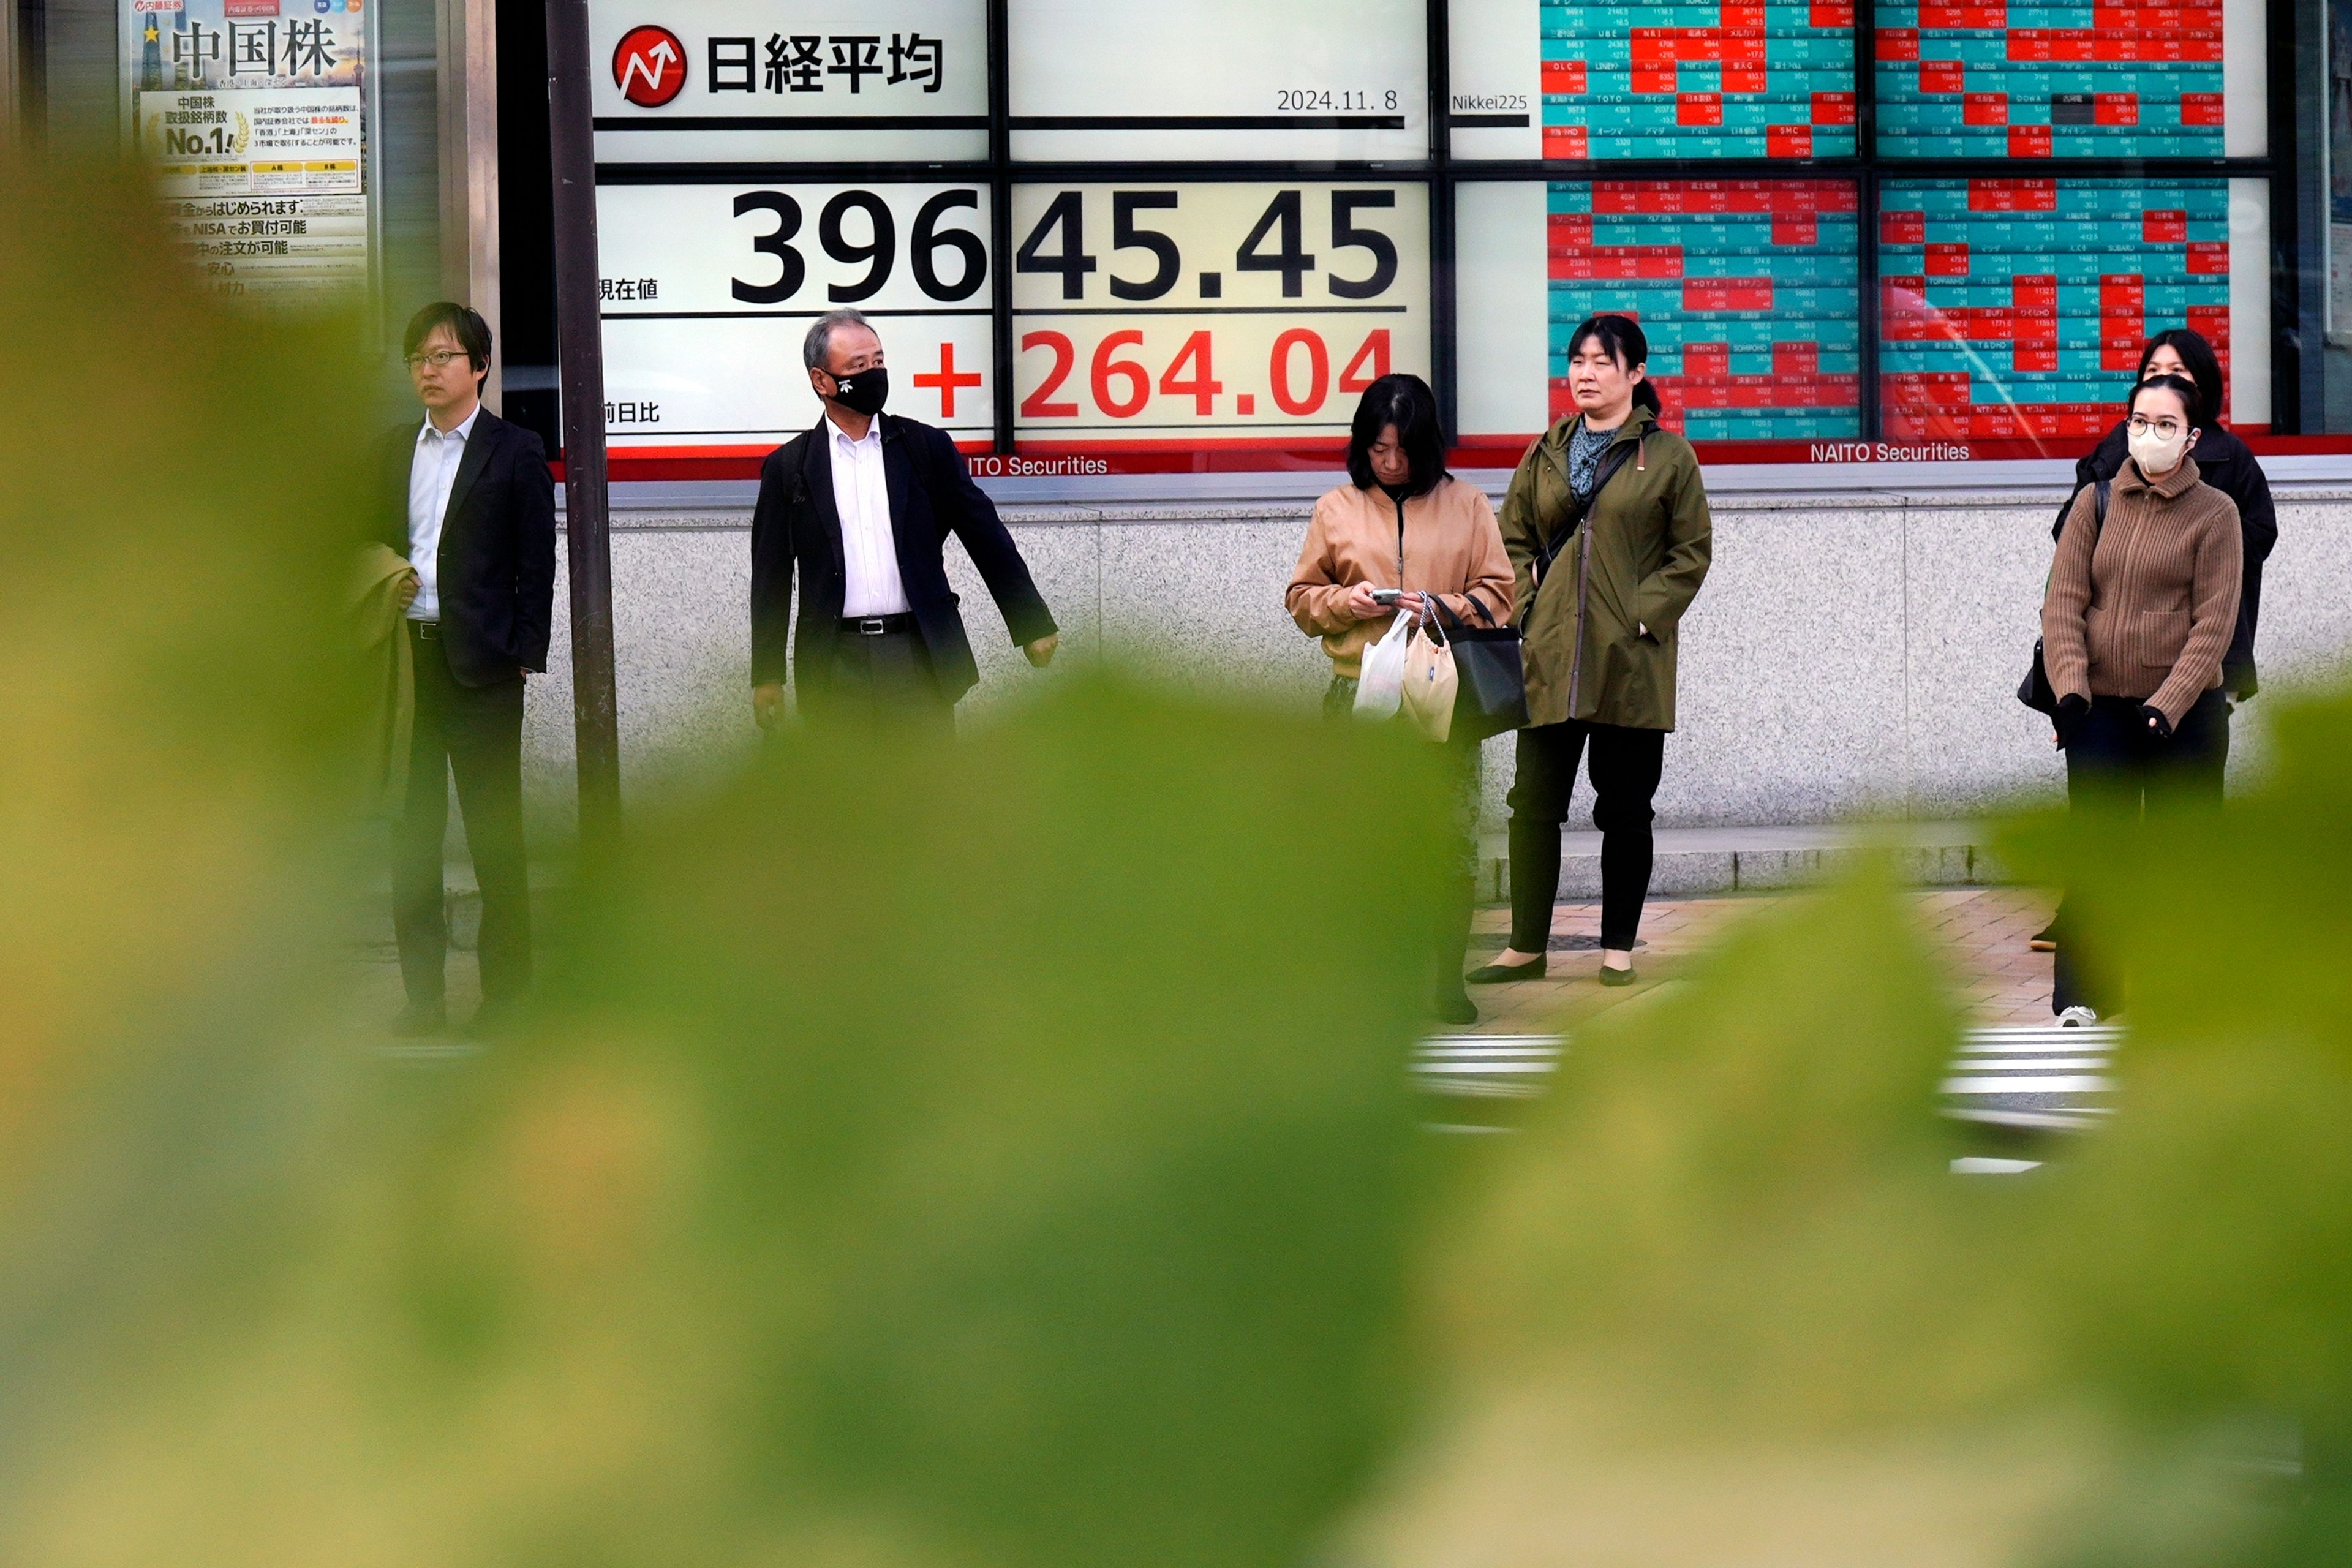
2077	1018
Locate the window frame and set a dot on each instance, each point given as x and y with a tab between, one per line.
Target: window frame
2294	193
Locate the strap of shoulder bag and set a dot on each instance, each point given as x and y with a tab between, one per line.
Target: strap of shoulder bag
1445	614
2098	523
1579	507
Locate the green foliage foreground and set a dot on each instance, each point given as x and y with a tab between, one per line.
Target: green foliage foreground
1005	1156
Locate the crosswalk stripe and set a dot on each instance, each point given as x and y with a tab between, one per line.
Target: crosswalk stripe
2062	1074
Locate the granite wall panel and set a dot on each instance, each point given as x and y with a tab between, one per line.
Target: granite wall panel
1849	656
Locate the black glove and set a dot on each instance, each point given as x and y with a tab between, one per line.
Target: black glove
2072	711
2160	726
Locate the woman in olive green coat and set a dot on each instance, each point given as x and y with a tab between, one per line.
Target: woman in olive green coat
1607	528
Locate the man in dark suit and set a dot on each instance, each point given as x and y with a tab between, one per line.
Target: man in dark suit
860	508
467	499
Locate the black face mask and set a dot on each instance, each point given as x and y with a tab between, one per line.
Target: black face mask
866	391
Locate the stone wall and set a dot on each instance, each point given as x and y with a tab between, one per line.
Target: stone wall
1851	653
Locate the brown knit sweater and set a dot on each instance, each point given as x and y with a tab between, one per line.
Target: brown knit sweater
2144	607
1446	542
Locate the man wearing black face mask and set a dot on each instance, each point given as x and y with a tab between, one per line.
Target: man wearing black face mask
859	509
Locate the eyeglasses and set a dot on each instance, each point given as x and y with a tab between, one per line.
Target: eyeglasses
2166	429
439	360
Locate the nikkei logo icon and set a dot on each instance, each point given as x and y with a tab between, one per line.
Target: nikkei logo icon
649	67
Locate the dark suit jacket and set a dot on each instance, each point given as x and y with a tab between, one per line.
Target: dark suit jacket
797	529
2231	466
495	569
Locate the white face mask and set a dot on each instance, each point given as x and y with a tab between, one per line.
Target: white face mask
2155	454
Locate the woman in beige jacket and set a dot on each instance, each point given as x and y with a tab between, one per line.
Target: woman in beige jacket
2139	613
1405	525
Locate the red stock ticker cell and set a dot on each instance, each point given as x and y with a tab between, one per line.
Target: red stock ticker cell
1969	17
2008	195
1834	109
2208	258
2153	19
1566	142
1754	392
1896	45
1942	76
1663	46
2202	109
1727	293
1617	263
1698	108
1924	389
1569	229
1796	229
1787	141
1655	77
2028	142
2164	227
1984	108
1563	75
2114	109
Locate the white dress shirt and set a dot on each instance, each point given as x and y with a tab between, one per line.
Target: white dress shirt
869	551
432	470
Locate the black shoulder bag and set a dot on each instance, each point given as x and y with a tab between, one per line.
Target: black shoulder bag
1490	694
2034	690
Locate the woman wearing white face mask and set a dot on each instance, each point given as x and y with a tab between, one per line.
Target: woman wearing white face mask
2139	612
2224	462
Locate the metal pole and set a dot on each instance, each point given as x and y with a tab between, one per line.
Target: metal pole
596	718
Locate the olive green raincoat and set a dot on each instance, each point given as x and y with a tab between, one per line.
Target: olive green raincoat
1601	629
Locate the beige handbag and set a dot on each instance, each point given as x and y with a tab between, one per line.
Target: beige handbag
1429	684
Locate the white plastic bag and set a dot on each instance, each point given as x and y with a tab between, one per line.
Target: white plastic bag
1381	685
1430	683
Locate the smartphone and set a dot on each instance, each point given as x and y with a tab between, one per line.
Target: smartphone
1387	595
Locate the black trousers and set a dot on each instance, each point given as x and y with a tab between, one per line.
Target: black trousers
879	680
476	733
1625	765
2117	770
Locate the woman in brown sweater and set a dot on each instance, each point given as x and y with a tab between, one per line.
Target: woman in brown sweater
2137	616
1404	523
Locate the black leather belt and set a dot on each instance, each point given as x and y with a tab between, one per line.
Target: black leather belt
878	626
426	631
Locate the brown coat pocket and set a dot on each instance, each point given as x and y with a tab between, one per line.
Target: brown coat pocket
2157	639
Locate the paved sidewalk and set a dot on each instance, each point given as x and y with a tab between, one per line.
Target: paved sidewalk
1982	929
